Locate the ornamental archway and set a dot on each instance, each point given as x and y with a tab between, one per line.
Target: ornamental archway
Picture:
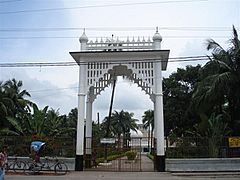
142	62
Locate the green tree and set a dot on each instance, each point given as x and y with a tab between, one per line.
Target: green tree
72	122
56	126
36	122
220	86
13	91
178	88
32	124
120	124
5	105
215	129
14	108
148	123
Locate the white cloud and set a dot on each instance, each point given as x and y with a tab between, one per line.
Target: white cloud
128	97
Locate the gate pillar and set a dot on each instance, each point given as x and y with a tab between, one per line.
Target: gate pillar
88	142
158	109
81	110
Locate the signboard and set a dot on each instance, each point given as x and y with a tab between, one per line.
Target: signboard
234	142
108	140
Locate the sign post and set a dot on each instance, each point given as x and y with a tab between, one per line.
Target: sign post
234	142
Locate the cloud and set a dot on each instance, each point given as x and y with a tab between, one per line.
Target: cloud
44	92
128	97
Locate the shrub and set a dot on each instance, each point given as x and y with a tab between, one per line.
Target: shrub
109	158
150	156
131	155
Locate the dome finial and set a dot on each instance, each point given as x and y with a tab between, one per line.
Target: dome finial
157	36
83	38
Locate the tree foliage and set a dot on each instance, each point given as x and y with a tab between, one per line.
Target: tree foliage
219	89
177	97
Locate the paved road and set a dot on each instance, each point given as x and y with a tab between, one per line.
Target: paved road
94	175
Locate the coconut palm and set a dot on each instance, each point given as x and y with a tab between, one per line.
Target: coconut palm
220	87
148	123
13	90
120	124
72	122
5	104
31	124
56	125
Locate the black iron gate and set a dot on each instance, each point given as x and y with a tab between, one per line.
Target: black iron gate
117	154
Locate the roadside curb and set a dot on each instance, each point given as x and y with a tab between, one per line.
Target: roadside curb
208	174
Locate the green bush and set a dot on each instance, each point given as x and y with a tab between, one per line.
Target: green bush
131	155
150	156
109	158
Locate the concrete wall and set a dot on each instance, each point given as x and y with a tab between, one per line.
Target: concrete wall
203	164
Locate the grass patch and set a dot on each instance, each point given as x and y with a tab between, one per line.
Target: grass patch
150	156
110	158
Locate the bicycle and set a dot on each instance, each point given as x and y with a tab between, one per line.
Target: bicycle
59	167
15	164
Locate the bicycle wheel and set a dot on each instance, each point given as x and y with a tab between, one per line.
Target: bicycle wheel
60	168
19	166
31	168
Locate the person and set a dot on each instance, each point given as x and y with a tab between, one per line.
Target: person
3	162
36	147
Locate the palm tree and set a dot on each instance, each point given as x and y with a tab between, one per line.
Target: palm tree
72	122
56	126
121	123
220	87
13	90
31	124
5	105
148	123
37	121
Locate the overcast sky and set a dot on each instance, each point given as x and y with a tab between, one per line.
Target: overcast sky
184	25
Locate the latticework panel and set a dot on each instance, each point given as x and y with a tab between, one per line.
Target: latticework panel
99	78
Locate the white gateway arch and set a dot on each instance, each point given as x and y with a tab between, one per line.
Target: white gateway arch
100	62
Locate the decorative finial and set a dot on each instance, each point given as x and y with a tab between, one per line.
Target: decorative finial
138	39
83	38
157	36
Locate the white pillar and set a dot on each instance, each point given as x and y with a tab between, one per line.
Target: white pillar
88	135
158	111
80	122
158	108
89	127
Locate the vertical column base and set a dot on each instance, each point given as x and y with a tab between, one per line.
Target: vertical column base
79	163
160	163
88	161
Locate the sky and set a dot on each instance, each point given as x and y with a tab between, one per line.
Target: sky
47	30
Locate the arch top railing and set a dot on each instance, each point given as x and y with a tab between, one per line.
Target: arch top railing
120	45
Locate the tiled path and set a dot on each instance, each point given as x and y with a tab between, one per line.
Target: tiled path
142	163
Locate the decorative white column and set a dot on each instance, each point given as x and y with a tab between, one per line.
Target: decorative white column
88	141
158	108
81	110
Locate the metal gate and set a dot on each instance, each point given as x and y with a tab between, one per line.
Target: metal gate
118	154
